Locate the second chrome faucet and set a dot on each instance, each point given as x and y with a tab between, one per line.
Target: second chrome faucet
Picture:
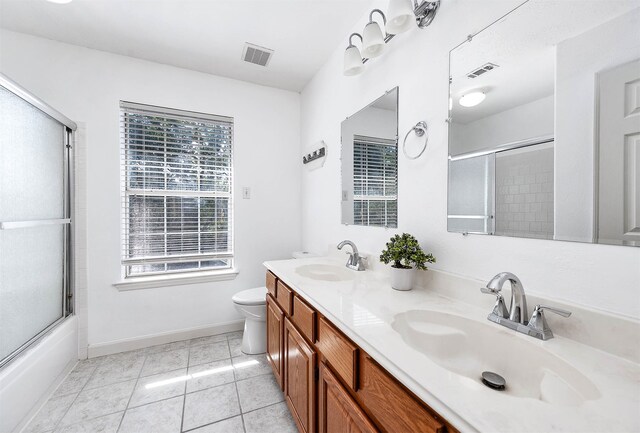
517	316
354	262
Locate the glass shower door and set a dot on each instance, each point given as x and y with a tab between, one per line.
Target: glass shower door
471	194
34	222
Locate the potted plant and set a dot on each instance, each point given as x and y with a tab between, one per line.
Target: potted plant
405	253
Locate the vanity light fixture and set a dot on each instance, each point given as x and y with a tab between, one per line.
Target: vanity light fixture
372	39
353	63
400	15
472	99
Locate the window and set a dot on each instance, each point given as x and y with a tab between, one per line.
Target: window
375	181
177	177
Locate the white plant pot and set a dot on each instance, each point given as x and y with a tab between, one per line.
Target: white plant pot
402	279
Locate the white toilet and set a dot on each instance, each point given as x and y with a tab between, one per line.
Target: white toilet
252	303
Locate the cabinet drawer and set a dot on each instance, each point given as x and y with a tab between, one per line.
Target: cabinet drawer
284	295
304	317
392	407
339	352
271	283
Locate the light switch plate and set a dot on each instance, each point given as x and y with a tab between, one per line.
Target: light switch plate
246	192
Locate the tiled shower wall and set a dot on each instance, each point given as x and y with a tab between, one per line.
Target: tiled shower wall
524	192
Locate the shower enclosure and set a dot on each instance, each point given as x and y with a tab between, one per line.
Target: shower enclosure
36	179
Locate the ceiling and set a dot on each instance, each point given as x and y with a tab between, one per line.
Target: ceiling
523	46
202	35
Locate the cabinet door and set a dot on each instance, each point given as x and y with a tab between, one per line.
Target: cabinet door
299	383
275	348
390	405
339	413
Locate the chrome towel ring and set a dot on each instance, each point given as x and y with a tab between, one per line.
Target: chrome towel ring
421	131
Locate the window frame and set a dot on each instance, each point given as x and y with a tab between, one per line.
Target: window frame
177	276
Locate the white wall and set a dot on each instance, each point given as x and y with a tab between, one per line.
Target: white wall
601	276
87	85
531	120
579	59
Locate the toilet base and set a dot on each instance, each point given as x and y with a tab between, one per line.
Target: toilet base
254	340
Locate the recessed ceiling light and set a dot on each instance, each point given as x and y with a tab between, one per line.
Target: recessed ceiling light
472	99
60	2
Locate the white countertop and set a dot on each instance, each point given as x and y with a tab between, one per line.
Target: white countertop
364	307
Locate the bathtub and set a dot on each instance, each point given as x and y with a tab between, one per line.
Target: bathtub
28	381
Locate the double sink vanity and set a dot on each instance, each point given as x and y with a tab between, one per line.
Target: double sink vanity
351	354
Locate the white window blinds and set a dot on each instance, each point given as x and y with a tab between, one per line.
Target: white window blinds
176	190
375	181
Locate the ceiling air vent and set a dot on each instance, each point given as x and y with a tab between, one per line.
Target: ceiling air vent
482	70
256	54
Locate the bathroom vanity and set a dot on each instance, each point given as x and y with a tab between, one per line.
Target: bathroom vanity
351	354
330	383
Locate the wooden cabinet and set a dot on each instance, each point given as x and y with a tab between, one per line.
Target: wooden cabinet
300	378
340	353
304	317
271	281
330	384
284	295
394	409
275	346
338	412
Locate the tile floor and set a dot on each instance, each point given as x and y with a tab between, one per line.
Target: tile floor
204	385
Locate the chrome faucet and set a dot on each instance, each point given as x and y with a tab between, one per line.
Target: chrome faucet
516	317
354	262
518	306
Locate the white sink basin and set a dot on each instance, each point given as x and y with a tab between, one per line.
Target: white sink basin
467	347
325	272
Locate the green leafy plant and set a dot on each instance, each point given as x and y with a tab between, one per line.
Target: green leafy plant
405	251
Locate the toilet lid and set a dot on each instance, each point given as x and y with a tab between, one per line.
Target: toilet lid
255	296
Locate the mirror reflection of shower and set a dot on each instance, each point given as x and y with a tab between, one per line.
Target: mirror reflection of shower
507	192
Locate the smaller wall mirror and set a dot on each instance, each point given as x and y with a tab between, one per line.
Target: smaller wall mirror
370	164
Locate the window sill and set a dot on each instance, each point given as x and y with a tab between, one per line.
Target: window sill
138	283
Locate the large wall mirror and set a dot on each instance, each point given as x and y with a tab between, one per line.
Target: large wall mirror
544	127
370	164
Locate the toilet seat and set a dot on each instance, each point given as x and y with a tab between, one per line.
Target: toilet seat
257	296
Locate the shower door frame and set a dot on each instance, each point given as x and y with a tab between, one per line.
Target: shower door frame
68	218
491	220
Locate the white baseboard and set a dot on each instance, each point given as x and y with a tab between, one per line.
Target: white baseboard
127	344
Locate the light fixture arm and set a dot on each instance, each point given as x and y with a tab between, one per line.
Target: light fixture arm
425	12
351	36
384	18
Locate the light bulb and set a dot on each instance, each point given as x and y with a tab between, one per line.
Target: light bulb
400	16
352	61
472	99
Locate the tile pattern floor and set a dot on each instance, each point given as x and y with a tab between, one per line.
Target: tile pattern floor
204	385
